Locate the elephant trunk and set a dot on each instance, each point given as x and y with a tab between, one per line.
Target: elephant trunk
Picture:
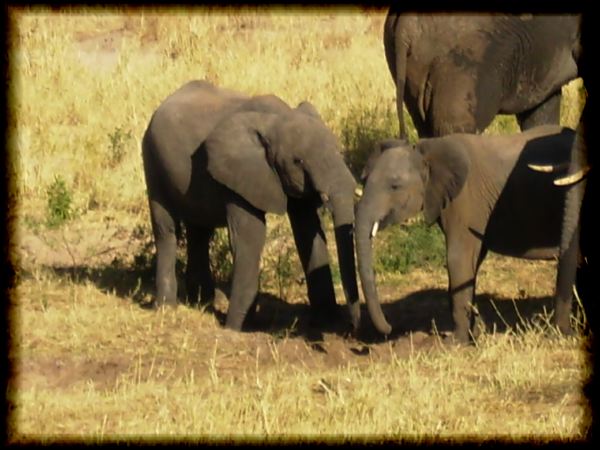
365	227
342	208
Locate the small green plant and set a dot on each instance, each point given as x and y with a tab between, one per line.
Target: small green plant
284	271
118	140
221	259
59	203
411	246
362	129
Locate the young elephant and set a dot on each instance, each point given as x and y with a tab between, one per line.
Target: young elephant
216	158
484	196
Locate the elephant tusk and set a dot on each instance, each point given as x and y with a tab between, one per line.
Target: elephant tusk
374	230
573	178
358	192
548	168
539	168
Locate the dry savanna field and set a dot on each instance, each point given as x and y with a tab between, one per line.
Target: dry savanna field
89	364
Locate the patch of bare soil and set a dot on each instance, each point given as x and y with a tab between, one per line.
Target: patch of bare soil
64	372
95	240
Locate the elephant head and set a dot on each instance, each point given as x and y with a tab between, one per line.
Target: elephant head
402	182
267	156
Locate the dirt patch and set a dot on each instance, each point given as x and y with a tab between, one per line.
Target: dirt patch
64	372
94	240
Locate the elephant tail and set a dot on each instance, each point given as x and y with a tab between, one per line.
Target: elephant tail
396	54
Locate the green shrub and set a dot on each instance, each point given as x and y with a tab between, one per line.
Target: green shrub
59	203
362	129
411	246
118	140
221	259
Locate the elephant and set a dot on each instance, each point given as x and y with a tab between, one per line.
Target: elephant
578	210
482	193
455	72
214	158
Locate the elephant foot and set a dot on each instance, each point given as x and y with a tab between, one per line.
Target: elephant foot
235	321
565	330
457	339
354	311
233	325
157	304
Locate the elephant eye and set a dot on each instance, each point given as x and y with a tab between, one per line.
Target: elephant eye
395	186
298	161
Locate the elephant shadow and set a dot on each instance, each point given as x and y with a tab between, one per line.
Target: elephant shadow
134	284
269	314
421	311
429	311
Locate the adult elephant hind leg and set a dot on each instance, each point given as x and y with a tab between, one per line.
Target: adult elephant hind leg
546	113
247	230
314	257
164	225
199	278
460	108
565	276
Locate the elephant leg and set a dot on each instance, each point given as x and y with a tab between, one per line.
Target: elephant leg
165	239
546	113
464	255
458	107
565	278
247	231
477	323
312	249
198	275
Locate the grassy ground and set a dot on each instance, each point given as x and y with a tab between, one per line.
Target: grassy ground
90	364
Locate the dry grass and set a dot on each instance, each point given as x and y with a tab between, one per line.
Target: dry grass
97	367
91	365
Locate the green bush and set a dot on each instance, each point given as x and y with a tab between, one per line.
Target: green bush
412	246
221	259
59	203
362	129
118	141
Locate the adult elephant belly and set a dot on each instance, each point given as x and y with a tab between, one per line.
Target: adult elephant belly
533	86
456	97
526	220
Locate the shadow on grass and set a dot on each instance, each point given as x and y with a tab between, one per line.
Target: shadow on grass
426	310
429	310
269	313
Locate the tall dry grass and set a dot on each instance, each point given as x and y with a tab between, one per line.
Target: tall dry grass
178	375
80	77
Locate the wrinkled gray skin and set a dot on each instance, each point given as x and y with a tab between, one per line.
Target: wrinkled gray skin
484	197
215	158
579	213
455	72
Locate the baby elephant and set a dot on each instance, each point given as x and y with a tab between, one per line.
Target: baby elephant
218	158
484	196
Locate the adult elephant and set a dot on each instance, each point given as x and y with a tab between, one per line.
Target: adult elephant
579	213
214	158
455	72
482	193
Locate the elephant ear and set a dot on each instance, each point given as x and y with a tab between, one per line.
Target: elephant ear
237	158
446	167
309	109
380	147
